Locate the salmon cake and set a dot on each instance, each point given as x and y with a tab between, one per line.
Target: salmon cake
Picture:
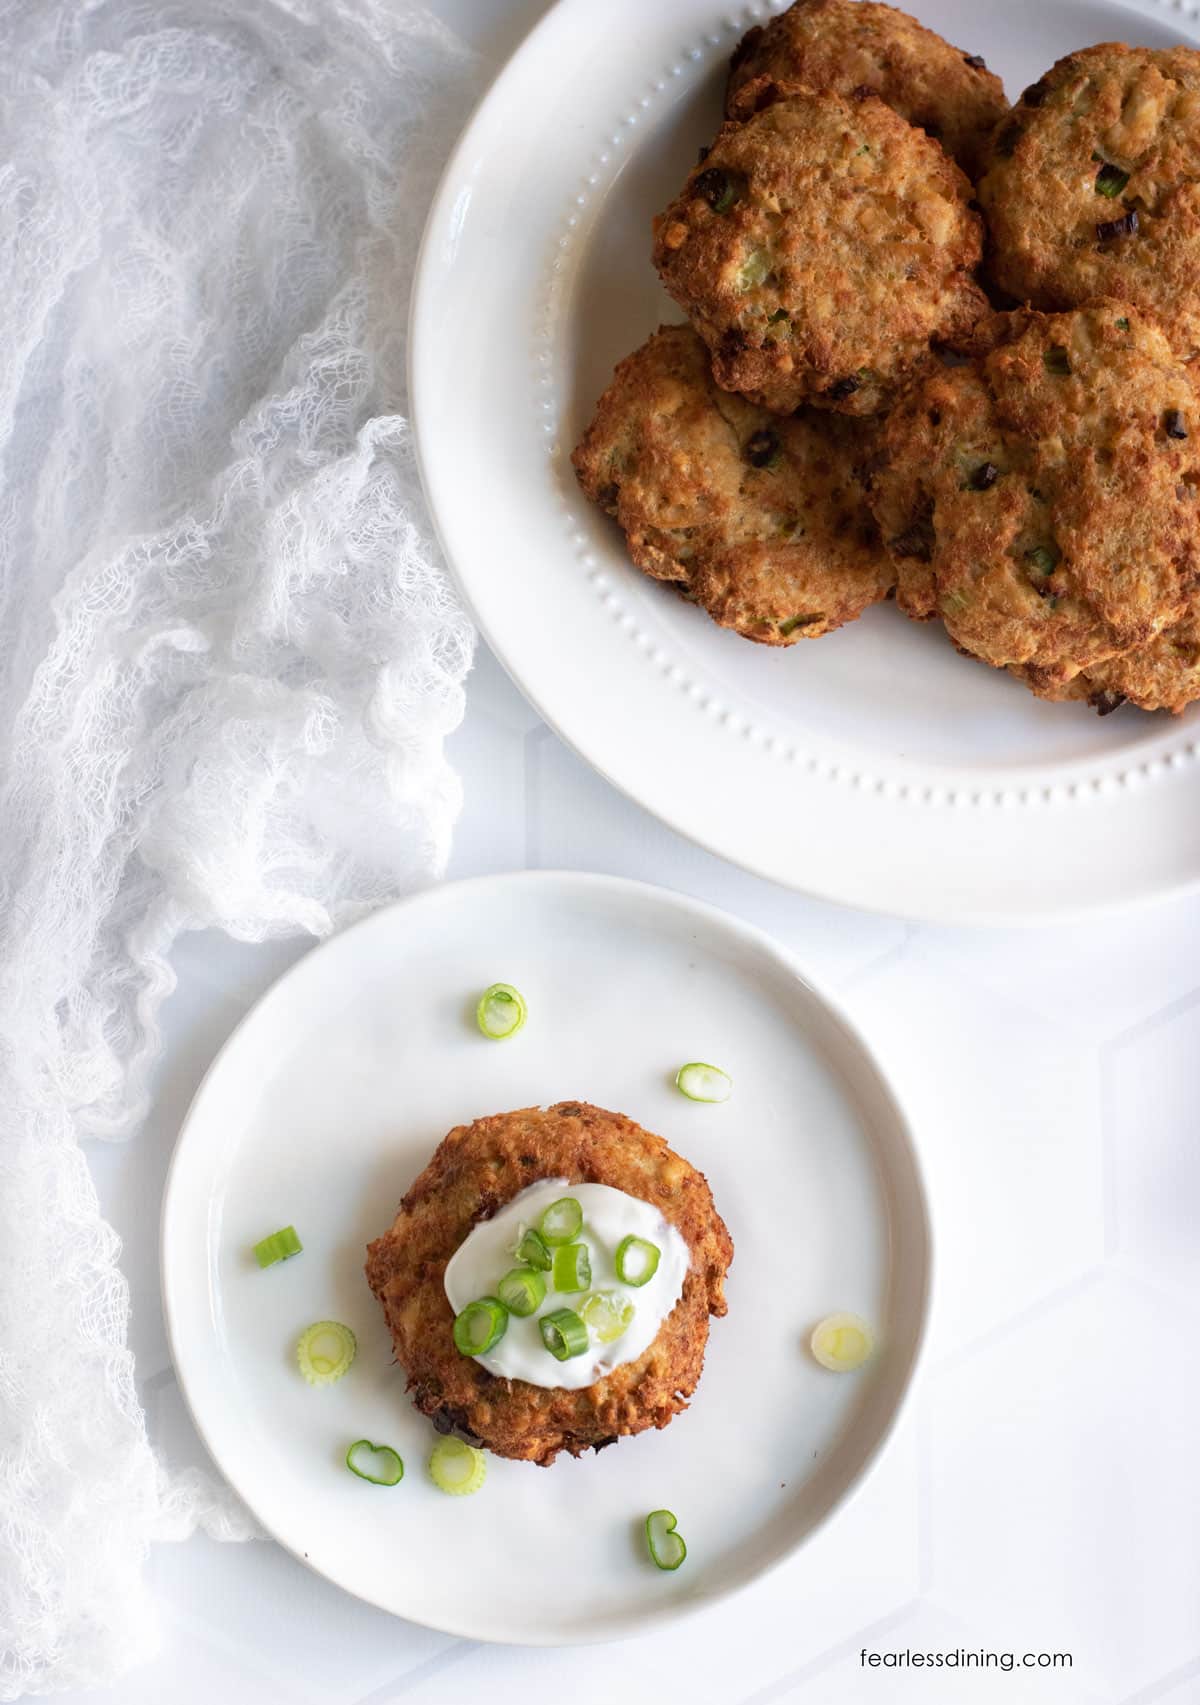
1092	187
1041	497
1163	675
475	1177
760	519
820	249
852	45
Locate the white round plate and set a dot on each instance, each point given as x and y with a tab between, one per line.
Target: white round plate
876	766
331	1097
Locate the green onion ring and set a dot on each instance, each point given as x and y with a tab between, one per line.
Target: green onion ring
636	1260
501	1012
562	1221
325	1351
480	1326
278	1247
457	1468
607	1315
664	1541
572	1267
534	1251
563	1334
702	1082
522	1291
379	1464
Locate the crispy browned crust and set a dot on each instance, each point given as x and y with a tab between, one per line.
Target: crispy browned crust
848	250
1163	675
779	552
846	45
1133	108
475	1171
987	463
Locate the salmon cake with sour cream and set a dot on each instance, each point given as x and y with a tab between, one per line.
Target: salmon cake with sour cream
548	1281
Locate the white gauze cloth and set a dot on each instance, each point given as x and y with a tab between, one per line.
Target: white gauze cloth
228	651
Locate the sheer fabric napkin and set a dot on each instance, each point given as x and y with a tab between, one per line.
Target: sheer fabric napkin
228	650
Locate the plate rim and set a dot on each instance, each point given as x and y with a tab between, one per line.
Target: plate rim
748	934
868	892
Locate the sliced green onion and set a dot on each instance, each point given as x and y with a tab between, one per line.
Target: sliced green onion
457	1468
700	1082
636	1260
664	1541
522	1291
563	1334
480	1326
719	188
762	449
754	269
379	1464
1057	360
842	1342
572	1267
325	1351
278	1247
607	1316
534	1251
1045	558
501	1012
562	1221
786	628
1122	324
1110	179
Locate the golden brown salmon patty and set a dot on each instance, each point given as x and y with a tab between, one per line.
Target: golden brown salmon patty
1041	498
848	45
819	249
1163	675
1093	187
474	1172
760	519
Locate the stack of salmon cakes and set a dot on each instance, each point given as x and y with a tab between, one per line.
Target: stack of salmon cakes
936	349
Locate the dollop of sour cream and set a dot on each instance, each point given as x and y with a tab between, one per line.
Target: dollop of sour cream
609	1215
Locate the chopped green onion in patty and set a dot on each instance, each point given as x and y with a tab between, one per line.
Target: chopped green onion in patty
1045	558
280	1246
720	188
762	449
1110	180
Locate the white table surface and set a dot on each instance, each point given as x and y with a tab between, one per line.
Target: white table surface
1041	1494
